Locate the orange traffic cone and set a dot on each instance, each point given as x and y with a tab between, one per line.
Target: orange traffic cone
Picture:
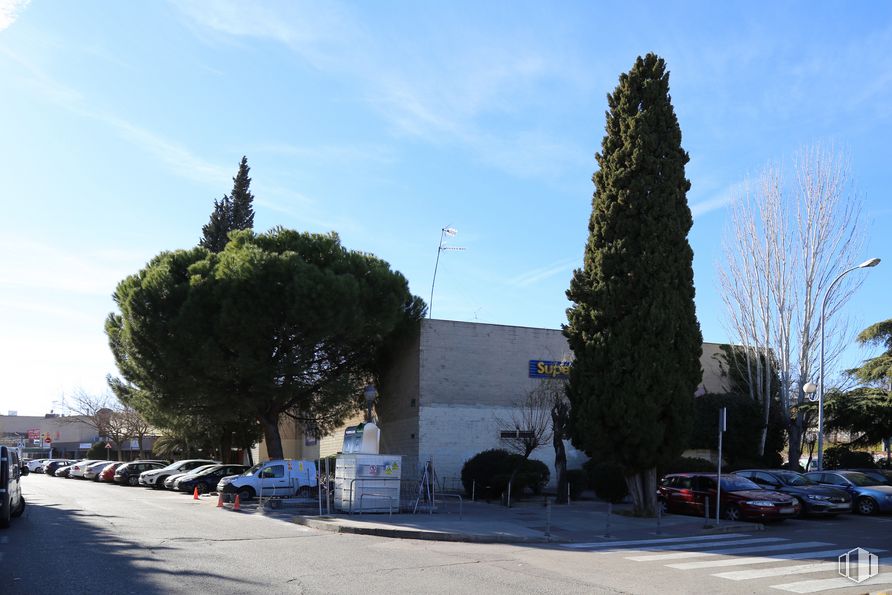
236	505
220	501
195	493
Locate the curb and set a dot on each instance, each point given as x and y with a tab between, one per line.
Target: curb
331	524
731	528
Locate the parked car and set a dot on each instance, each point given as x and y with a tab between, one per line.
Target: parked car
36	465
169	482
813	498
12	503
206	481
93	471
868	494
883	476
64	470
282	477
108	472
51	466
79	468
156	477
741	499
129	473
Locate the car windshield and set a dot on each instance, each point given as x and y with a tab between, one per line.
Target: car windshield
206	469
254	469
738	483
859	479
794	479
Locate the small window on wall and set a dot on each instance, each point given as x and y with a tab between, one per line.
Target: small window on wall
310	435
516	434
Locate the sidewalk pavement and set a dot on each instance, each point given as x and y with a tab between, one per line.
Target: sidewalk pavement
525	522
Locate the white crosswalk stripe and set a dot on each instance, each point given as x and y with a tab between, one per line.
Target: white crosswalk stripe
713	544
759	560
815	586
731	550
650	542
742	575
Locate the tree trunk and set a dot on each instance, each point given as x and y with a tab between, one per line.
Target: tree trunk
271	434
643	490
560	467
794	452
226	447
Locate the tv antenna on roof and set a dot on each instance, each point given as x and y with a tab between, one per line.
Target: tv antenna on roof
450	232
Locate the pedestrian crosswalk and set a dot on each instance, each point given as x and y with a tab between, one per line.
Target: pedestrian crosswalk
743	557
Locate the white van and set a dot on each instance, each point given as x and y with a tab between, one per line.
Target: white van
282	478
12	503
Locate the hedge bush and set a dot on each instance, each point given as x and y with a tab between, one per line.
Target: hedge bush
842	457
491	470
608	480
686	465
578	480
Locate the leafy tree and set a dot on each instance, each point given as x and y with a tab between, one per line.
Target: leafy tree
633	327
232	212
282	323
866	411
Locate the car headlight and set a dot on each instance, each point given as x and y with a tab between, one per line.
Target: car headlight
760	503
889	497
816	497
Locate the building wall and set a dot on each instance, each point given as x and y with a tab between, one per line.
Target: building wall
398	404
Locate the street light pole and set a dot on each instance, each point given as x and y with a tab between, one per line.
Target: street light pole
866	264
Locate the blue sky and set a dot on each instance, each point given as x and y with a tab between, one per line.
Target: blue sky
120	123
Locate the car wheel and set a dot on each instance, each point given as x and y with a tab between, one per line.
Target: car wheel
802	511
303	492
133	480
202	488
866	506
159	483
4	513
664	506
245	494
732	512
21	509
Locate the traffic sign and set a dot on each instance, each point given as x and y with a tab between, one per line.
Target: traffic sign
48	440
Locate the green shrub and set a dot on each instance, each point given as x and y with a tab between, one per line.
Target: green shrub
686	465
607	479
578	480
842	457
98	451
492	469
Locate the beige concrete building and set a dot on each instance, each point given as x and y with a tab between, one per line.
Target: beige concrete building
452	390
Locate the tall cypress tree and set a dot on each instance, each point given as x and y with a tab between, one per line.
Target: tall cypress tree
241	198
632	325
233	211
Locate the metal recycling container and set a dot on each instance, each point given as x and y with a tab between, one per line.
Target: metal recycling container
367	482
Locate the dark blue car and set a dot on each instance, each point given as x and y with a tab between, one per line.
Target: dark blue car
868	494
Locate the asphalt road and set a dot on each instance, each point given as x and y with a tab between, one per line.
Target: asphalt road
83	537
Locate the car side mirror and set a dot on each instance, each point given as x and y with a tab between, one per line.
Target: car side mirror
25	470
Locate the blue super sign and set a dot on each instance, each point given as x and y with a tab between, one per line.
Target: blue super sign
540	368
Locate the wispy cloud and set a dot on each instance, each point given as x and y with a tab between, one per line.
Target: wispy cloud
439	95
534	276
719	200
10	11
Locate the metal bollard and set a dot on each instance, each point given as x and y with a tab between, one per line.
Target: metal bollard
609	512
547	520
509	494
474	490
659	517
706	511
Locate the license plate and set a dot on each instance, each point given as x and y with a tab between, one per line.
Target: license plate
787	510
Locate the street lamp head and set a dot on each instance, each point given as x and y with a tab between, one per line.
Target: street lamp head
869	263
370	394
809	387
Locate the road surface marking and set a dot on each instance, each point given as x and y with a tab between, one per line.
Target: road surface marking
763	560
647	542
814	586
742	575
731	550
713	544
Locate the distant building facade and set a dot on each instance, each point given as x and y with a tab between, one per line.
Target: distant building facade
60	436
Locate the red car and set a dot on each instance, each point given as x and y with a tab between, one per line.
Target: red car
108	472
742	499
